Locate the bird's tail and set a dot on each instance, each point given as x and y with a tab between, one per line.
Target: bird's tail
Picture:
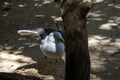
27	32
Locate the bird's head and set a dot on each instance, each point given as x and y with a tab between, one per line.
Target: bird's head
58	36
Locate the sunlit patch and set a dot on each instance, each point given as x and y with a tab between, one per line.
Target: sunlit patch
95	14
117	43
5	14
97	40
97	65
8	47
39	16
111	21
107	26
21	5
95	77
33	45
37	4
6	3
47	2
48	77
97	19
53	17
34	72
93	42
22	39
10	62
56	18
117	6
117	20
110	4
99	1
88	0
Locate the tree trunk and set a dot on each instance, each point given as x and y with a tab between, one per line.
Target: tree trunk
76	40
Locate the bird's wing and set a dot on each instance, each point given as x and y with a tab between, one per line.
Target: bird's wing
27	32
38	31
42	32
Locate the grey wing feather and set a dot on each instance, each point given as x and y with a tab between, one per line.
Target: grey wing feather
42	32
39	31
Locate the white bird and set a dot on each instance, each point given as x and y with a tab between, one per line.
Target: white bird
52	44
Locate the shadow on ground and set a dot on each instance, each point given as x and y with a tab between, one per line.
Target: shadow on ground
104	40
16	76
22	55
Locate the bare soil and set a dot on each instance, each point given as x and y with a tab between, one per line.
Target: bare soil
21	58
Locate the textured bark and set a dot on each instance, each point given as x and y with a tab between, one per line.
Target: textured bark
77	55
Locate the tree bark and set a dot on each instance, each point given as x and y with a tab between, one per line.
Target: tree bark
76	40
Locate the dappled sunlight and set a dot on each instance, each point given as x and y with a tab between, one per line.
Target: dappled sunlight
10	62
98	65
22	54
99	1
104	39
102	23
107	26
95	14
117	6
47	2
22	5
33	11
37	16
117	20
95	77
96	40
103	44
40	3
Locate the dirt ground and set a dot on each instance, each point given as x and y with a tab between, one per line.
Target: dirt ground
21	59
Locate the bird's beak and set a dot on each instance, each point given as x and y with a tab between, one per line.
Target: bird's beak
62	40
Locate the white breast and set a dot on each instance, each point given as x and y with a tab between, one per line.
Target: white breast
51	49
